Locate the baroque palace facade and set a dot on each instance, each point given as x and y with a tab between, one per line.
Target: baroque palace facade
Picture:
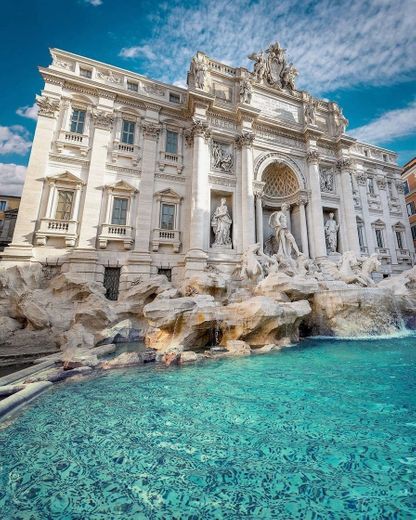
129	176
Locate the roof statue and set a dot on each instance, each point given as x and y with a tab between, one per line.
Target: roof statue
271	67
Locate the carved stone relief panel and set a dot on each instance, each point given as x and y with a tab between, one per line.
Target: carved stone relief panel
327	179
222	156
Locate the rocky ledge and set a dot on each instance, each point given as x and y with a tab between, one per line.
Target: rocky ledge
261	307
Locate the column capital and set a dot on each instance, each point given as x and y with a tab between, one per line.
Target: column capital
47	106
246	138
102	119
258	187
312	157
344	164
151	130
198	128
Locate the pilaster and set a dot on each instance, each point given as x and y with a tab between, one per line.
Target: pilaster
103	119
245	142
28	215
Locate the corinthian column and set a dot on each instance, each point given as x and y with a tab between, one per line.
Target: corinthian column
197	136
245	142
315	216
351	240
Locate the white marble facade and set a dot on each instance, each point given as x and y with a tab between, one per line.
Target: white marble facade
130	173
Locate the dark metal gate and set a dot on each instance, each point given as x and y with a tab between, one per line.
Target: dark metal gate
112	282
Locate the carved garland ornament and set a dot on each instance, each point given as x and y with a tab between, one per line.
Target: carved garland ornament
103	120
151	130
312	156
48	107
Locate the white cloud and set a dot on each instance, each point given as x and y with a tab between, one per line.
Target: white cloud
14	140
389	126
138	51
31	112
332	43
12	177
95	3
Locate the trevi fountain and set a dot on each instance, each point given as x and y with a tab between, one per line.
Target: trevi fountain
278	383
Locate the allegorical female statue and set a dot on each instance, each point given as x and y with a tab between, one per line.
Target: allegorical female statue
221	224
285	241
331	234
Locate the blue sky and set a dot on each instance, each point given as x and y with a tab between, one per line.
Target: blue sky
360	53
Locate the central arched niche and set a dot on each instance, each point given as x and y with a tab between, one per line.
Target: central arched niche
280	182
281	185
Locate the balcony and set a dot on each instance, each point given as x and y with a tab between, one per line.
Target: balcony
168	237
403	256
116	233
130	151
384	253
170	159
52	228
73	140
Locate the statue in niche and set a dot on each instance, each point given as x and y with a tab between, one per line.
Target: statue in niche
310	111
199	71
221	158
246	91
326	181
331	234
221	224
286	243
341	121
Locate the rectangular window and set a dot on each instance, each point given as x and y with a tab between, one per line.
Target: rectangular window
134	87
119	215
379	238
167	217
361	236
413	228
64	205
411	209
174	98
112	282
78	121
3	205
370	184
399	239
171	142
127	133
405	187
85	73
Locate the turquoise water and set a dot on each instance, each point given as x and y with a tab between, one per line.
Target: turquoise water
324	430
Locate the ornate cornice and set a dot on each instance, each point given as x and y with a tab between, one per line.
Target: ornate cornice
151	130
103	120
245	139
312	157
199	128
48	107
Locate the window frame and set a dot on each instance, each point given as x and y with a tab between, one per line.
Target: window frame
130	133
379	234
126	210
132	84
60	190
84	72
74	123
168	143
172	205
5	205
176	96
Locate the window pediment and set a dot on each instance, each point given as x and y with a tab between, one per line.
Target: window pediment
168	195
121	186
66	178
